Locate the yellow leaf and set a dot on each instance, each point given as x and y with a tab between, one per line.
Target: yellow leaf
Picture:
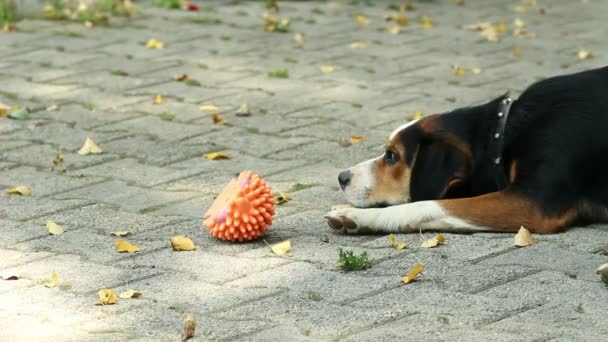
476	71
182	243
282	197
362	20
124	246
396	245
54	228
158	99
584	54
360	44
502	27
217	119
517	51
458	71
209	108
130	294
281	248
217	155
54	280
402	20
107	297
413	273
243	110
418	115
326	69
89	147
518	23
394	29
120	233
189	327
22	190
523	238
356	139
299	38
427	23
434	242
154	44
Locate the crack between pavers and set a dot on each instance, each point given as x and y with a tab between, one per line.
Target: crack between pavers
508	314
375	325
503	282
492	255
121	284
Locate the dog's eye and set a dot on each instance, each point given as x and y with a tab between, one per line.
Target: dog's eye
391	157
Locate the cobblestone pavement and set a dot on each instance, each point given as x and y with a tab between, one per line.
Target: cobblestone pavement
153	181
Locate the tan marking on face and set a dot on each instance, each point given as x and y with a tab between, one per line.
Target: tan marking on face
513	171
392	183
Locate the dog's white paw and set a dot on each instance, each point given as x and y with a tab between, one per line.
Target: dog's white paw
346	220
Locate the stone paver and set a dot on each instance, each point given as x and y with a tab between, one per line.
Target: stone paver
153	181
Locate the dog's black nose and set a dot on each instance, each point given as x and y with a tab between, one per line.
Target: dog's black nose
344	178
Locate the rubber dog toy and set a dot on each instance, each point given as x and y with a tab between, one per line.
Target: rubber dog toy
243	210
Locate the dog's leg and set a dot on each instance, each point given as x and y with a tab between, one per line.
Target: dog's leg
498	211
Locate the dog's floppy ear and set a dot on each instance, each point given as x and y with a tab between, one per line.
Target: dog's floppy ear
440	171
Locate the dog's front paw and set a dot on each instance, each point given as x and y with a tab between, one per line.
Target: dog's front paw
345	220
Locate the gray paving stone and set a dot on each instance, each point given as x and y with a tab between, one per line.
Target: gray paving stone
157	128
21	208
42	183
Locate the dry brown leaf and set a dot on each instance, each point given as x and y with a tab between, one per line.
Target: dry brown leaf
584	54
182	243
298	38
523	238
356	139
392	240
189	327
89	147
427	22
107	297
58	159
54	280
458	71
326	69
517	51
476	71
131	294
54	228
360	44
209	108
154	44
280	248
434	242
519	23
362	20
281	197
394	29
123	246
181	78
243	110
418	115
9	277
22	190
158	99
120	233
217	119
413	273
217	155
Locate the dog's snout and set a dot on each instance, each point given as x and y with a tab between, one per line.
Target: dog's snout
344	178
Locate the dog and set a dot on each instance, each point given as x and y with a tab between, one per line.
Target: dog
538	161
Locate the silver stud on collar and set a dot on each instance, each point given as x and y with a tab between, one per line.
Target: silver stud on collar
507	100
496	135
500	114
497	161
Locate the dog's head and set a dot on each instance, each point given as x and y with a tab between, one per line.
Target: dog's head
422	161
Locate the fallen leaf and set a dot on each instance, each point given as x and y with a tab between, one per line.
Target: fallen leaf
434	242
52	108
54	280
181	78
154	44
458	71
298	38
22	190
20	114
217	119
158	99
523	238
189	327
523	33
401	20
360	44
182	243
345	142
520	9
9	277
131	294
603	271
281	248
519	23
362	20
123	246
243	110
326	69
120	233
356	139
54	228
418	115
107	297
89	147
490	34
396	245
217	155
517	51
209	108
476	71
394	29
584	54
501	27
413	273
427	22
58	159
281	197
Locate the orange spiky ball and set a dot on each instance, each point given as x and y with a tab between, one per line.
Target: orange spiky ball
243	211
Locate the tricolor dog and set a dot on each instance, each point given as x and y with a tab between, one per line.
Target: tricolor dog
540	161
